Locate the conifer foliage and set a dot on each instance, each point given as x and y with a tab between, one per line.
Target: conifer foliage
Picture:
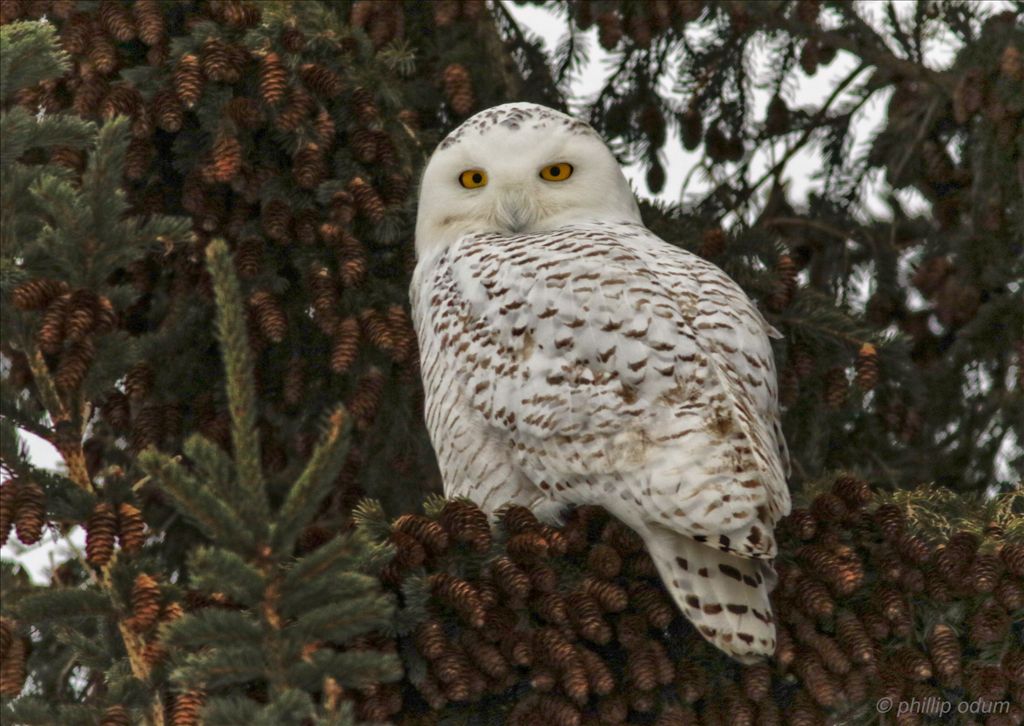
206	232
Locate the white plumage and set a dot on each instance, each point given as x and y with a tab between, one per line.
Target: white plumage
570	356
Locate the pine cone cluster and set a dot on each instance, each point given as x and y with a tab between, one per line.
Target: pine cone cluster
221	95
105	524
576	622
68	323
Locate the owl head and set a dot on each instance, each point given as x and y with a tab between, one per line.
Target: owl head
519	167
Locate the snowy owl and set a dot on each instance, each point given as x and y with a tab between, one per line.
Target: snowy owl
570	356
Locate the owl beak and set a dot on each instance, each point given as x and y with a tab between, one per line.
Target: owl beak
515	210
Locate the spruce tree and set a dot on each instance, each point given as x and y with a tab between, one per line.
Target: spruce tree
206	237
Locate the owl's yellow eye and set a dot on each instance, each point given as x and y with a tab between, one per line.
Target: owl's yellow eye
556	172
473	178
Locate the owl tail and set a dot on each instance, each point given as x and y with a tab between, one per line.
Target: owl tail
724	596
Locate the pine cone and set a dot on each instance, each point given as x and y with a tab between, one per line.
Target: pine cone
785	284
1013	665
855	492
273	80
466	523
366	400
149	20
835	387
587	619
985	572
53	326
100	530
297	108
145	603
115	20
458	88
510	578
820	684
651	601
814	598
188	80
367	200
225	159
828	507
167	111
74	365
866	367
29	512
1012	555
309	167
692	129
276	220
102	52
430	639
220	61
853	637
604	561
944	647
12	664
1010	593
321	80
409	553
969	95
269	316
890	520
116	715
609	29
353	266
69	158
187	708
713	243
139	156
345	345
131	528
459	595
609	596
8	507
38	294
777	118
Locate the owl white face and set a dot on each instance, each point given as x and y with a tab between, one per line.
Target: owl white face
519	167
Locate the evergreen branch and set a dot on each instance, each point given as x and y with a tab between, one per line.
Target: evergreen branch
213	628
71	444
32	710
814	123
214	465
210	513
352	669
62	604
860	40
223	666
370	517
328	587
312	485
230	711
21	131
235	351
288	706
218	570
29	54
341	621
340	553
13	452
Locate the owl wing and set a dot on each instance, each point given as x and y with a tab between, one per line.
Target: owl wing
602	353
